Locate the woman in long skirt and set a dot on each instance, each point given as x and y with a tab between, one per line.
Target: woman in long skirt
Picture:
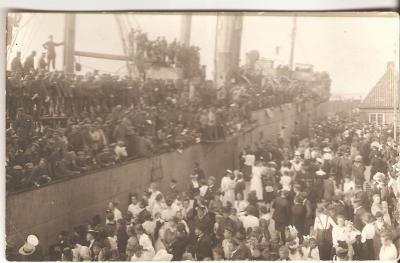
256	181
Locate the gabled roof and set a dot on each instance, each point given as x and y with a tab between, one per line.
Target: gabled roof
382	94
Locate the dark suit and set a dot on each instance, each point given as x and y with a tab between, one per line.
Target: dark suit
358	214
242	253
281	215
203	248
297	218
211	192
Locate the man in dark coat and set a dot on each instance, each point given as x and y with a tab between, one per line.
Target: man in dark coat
281	213
29	64
212	189
242	251
197	170
357	172
16	64
23	126
224	223
298	213
359	212
172	192
202	248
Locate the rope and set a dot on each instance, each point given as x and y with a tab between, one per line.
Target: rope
9	50
40	25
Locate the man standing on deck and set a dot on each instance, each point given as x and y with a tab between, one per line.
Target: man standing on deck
50	46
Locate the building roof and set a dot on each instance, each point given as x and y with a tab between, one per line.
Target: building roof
381	95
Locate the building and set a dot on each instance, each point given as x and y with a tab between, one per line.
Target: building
378	106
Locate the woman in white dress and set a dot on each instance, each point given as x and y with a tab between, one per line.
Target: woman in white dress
256	180
228	184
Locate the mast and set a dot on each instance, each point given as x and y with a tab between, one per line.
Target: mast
293	42
69	42
186	26
227	45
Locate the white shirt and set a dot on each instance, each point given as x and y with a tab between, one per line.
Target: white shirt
338	234
203	190
323	222
145	242
134	209
314	255
348	186
249	221
388	252
117	214
286	182
368	232
249	159
168	213
241	205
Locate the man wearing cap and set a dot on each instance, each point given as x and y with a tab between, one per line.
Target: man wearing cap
50	46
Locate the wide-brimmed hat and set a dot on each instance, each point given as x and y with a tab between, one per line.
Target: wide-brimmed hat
320	173
29	246
27	249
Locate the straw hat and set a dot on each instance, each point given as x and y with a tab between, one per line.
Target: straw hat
30	246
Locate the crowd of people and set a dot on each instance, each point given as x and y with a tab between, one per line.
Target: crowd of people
161	53
331	196
62	125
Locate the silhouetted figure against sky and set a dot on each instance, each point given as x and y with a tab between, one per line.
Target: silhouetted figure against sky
50	46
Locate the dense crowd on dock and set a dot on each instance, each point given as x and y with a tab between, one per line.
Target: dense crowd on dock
331	196
62	125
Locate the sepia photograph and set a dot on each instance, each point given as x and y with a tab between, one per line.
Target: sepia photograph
202	136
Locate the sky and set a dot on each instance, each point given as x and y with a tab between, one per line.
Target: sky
353	50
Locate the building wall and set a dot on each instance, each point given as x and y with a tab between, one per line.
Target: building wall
62	205
340	106
387	113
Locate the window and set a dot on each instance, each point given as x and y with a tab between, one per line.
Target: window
372	118
376	118
379	118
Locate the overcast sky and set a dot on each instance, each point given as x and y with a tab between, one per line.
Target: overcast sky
354	50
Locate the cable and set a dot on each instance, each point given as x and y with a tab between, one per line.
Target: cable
40	25
9	50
